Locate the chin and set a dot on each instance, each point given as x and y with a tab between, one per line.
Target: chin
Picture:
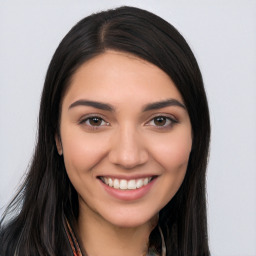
128	224
132	220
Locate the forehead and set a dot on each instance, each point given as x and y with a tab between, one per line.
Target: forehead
116	76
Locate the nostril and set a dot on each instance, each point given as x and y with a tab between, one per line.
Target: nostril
127	148
128	159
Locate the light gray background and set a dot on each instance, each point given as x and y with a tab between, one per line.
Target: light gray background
222	35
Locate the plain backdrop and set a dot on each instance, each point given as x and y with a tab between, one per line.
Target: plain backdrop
222	35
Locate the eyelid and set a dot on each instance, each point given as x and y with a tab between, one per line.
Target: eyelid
170	117
85	118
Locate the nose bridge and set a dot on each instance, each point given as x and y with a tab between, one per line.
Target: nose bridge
128	149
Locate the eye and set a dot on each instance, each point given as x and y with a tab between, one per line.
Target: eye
162	121
94	121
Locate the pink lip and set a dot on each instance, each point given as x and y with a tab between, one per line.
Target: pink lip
128	195
125	177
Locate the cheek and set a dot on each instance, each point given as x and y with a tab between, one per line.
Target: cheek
173	156
173	151
81	152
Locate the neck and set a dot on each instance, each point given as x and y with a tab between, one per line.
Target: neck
99	237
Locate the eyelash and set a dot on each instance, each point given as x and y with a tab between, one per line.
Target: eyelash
171	121
90	118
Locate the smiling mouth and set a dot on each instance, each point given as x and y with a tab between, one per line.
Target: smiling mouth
123	184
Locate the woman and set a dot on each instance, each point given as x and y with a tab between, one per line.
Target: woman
119	166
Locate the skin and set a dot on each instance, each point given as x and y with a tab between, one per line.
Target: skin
126	142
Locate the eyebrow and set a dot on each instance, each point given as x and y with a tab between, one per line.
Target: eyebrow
95	104
108	107
163	104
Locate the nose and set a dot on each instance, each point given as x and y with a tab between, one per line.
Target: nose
128	149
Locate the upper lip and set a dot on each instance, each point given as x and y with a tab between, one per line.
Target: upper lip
127	177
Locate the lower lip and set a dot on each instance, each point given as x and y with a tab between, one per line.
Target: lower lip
130	194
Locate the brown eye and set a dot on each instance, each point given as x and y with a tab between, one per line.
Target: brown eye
160	120
95	121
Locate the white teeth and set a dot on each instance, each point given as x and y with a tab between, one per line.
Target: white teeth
139	183
145	181
126	184
131	184
106	180
110	182
123	184
116	183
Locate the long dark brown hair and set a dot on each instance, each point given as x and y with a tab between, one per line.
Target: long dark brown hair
47	196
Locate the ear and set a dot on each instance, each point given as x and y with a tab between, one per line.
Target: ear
58	144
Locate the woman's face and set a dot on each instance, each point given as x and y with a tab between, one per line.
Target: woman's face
125	137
